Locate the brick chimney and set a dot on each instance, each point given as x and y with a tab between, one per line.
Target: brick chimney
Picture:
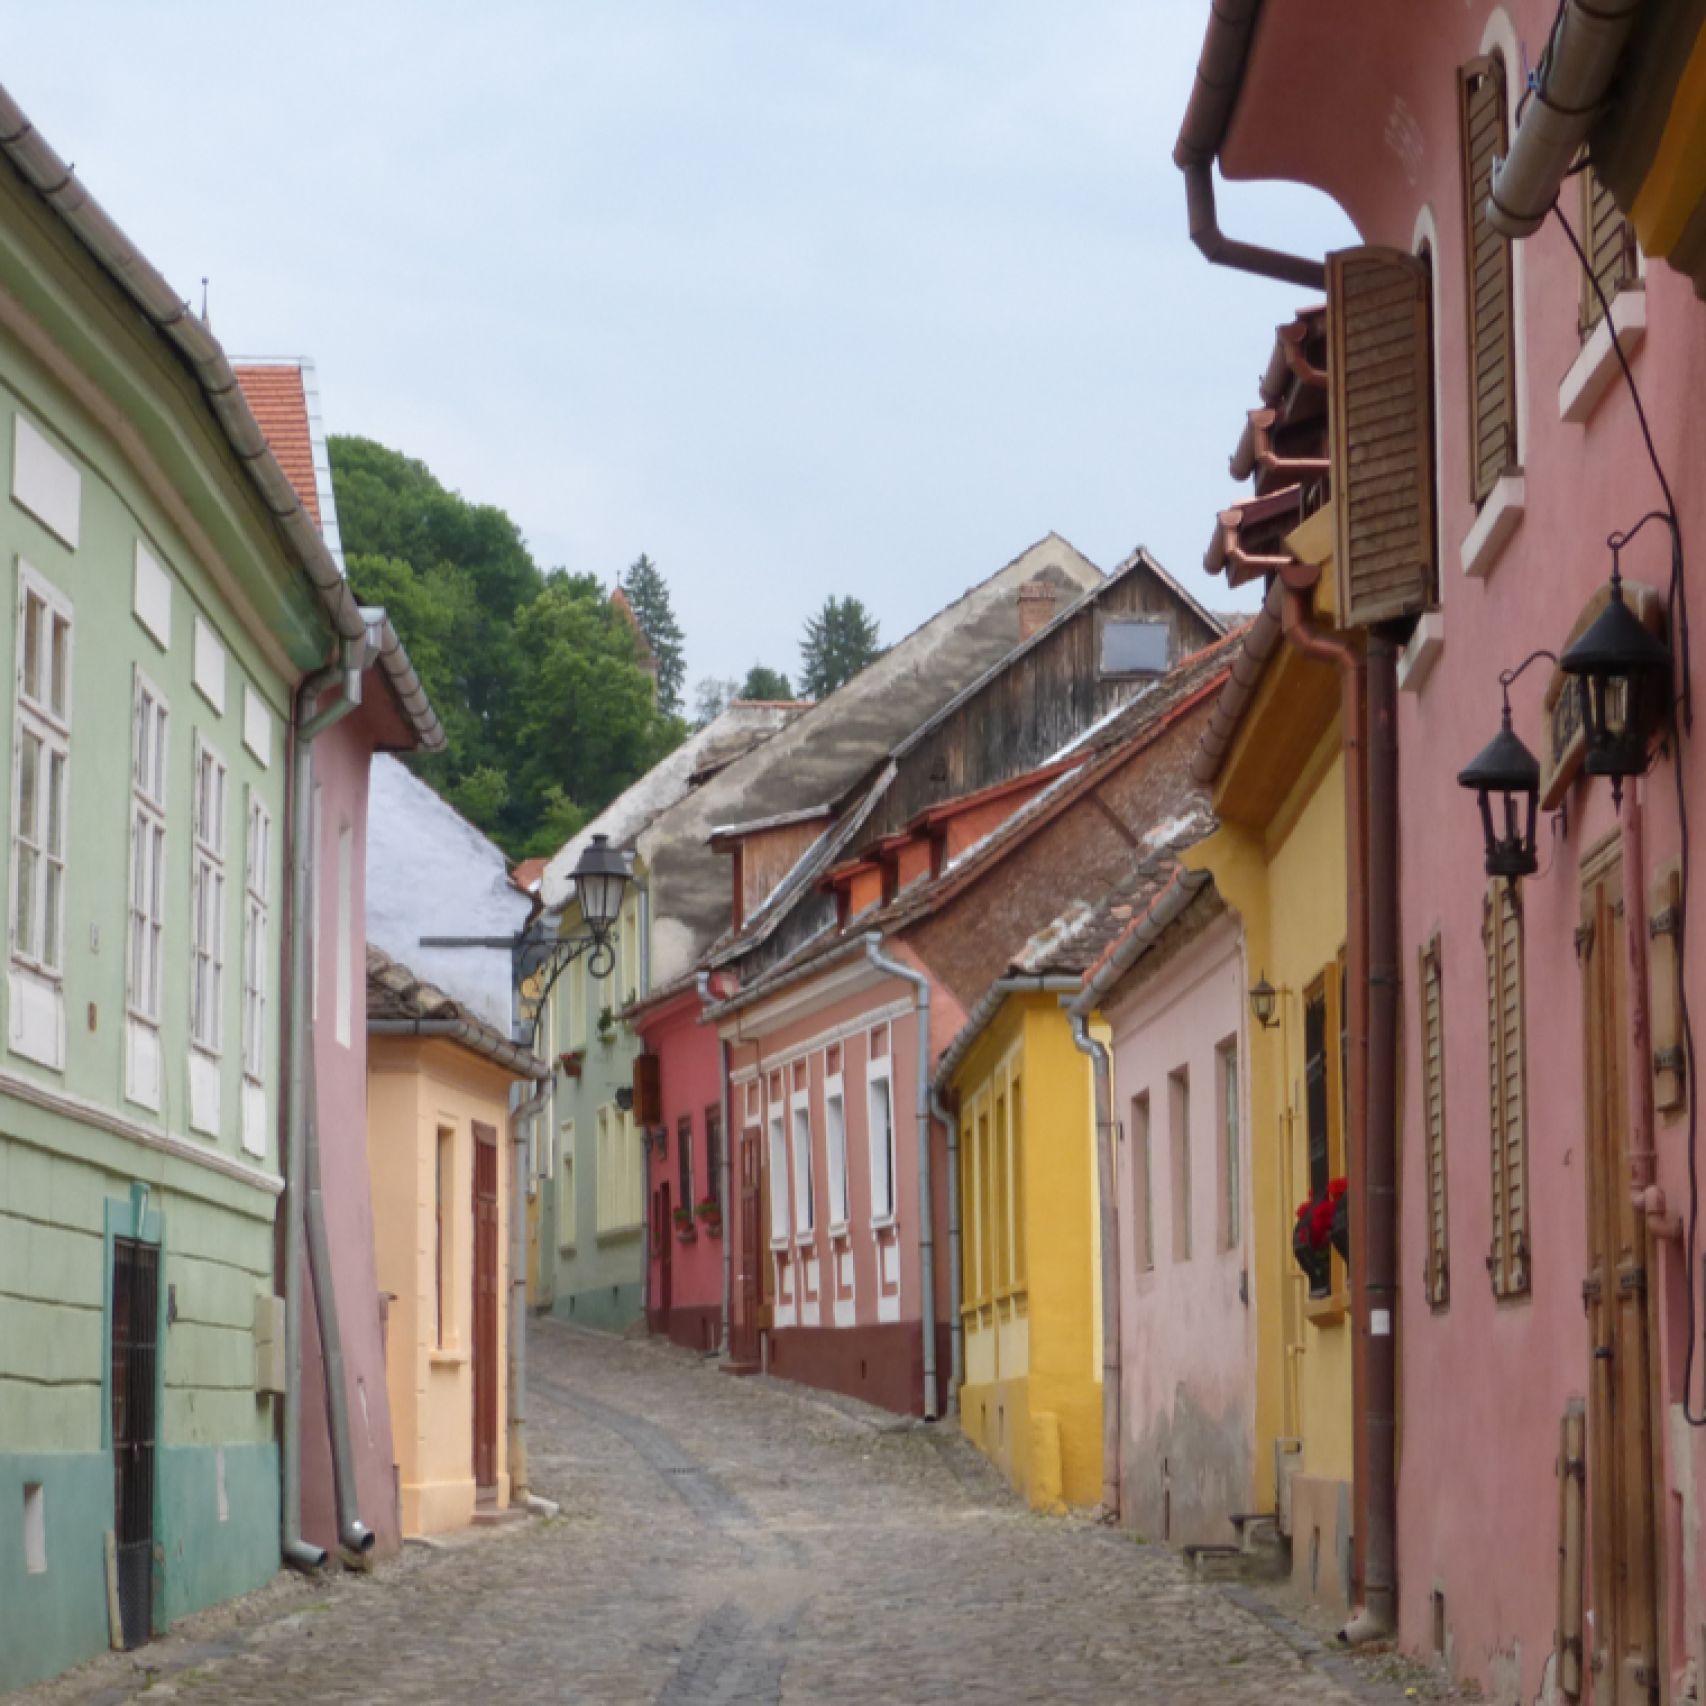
1036	606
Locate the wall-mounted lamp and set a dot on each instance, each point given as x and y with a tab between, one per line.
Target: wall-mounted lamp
1624	670
1264	1001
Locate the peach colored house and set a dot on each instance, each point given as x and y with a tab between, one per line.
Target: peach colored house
439	1082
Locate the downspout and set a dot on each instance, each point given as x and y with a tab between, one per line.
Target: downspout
1109	1220
956	1280
725	1168
1373	1618
523	1117
1214	97
926	1207
304	1208
1566	95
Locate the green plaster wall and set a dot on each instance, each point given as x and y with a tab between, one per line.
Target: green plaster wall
597	1281
210	1558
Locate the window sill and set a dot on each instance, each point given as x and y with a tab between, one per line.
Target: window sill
1593	371
780	1246
447	1356
1328	1311
840	1231
882	1223
618	1234
1416	661
1500	517
806	1240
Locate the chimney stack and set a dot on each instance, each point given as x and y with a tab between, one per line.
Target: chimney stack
1036	606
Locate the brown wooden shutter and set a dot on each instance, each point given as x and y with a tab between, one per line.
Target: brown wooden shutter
648	1091
1437	1274
1507	1260
1608	240
1492	353
1381	433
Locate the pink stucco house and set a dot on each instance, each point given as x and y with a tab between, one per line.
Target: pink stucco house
1551	1533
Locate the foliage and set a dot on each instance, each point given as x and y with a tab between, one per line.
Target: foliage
649	595
839	641
764	683
547	712
711	698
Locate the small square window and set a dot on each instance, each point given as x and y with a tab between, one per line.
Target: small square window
35	1529
1135	647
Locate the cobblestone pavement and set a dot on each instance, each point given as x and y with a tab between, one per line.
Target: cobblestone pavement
725	1541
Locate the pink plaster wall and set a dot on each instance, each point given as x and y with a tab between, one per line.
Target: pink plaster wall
341	759
1187	1337
1360	100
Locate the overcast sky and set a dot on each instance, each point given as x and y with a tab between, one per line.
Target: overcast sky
800	299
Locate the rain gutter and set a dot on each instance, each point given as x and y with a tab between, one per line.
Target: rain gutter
1214	98
523	1117
1567	93
725	1167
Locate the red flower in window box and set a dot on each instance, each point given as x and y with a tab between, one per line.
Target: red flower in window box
570	1063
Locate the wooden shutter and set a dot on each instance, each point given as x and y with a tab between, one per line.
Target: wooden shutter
1437	1272
648	1091
1507	1260
1381	433
1492	353
1608	240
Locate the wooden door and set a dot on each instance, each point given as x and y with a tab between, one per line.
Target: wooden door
135	1367
1621	1538
748	1299
485	1305
663	1242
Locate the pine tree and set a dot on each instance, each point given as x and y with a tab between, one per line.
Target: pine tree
840	640
648	592
764	683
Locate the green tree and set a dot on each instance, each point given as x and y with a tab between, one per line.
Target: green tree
839	641
648	593
560	820
711	698
765	683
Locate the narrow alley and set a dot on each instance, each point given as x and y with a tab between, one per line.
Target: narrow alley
799	1552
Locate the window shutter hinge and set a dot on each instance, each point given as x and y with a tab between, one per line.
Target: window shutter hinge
1668	1060
1667	921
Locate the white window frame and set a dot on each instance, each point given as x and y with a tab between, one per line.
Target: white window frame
150	769
207	898
781	1217
257	908
37	718
835	1152
883	1200
805	1215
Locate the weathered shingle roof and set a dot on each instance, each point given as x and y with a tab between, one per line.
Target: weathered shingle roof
397	999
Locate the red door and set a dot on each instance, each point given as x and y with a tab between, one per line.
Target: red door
485	1305
663	1245
748	1300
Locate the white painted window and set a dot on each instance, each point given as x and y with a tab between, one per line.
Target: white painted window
880	1111
149	765
207	663
835	1145
207	902
257	902
778	1177
151	596
566	1186
804	1194
620	1185
46	482
41	764
343	1018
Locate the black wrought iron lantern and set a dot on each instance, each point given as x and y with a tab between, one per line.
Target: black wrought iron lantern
1263	999
1505	776
601	880
1624	674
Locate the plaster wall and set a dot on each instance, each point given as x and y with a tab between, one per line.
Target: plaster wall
418	1090
1361	102
1187	1326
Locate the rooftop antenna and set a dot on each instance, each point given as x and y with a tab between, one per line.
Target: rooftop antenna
204	319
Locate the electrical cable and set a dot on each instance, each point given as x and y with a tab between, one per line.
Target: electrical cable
1678	611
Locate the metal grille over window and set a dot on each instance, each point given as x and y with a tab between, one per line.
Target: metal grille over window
148	769
207	901
135	1337
1437	1271
1507	1260
41	761
1485	138
1380	360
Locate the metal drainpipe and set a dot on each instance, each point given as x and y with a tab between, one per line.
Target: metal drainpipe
523	1117
926	1208
1109	1220
956	1280
302	1161
1374	1617
725	1169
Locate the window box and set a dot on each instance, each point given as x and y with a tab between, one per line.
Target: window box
571	1063
710	1211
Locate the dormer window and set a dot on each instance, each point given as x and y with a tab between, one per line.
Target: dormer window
1135	646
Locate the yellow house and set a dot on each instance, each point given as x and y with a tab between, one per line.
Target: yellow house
1031	1247
441	1160
1279	859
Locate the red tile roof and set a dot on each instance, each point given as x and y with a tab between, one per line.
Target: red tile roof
274	391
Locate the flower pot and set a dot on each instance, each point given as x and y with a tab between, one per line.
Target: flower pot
684	1232
1316	1260
1342	1226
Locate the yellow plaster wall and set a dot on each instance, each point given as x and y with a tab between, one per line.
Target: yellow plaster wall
415	1087
1287	879
1032	1400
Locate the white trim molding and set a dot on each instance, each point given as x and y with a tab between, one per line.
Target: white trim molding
1500	517
1594	369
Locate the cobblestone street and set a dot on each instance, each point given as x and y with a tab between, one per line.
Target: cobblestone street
728	1541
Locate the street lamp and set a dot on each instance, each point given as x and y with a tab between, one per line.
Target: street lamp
601	880
1504	768
1263	999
